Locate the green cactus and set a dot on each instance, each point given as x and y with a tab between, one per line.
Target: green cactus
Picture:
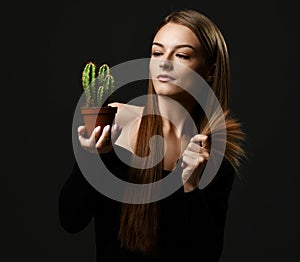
100	94
109	85
103	71
86	79
97	89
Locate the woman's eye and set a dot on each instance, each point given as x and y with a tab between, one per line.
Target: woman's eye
155	54
182	56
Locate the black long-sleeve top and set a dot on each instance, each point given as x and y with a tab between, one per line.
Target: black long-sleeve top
191	224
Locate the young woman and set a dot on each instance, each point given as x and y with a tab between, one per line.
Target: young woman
189	223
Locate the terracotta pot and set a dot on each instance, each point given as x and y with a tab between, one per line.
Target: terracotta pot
94	117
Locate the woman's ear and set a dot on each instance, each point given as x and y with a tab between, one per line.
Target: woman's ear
211	73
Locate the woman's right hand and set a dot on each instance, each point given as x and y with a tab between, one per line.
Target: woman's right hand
105	141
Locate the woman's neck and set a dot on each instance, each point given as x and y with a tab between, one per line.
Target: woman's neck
177	115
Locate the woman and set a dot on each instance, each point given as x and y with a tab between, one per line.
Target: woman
188	224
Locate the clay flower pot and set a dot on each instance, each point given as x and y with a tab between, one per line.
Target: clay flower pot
96	116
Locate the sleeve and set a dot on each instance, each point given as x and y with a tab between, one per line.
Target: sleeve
205	213
76	202
77	198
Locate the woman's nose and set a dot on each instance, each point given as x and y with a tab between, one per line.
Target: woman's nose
166	65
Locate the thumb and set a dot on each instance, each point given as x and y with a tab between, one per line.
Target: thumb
81	130
115	132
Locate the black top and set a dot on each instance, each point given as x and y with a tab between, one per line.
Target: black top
191	224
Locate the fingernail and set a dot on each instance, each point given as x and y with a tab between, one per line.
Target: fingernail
98	128
106	128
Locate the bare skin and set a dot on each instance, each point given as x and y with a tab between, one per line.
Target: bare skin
173	45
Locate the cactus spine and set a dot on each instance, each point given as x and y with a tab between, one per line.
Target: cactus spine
97	89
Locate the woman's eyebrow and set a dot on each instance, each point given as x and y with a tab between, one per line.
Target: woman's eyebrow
176	47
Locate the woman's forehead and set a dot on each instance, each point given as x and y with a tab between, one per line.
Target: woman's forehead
173	34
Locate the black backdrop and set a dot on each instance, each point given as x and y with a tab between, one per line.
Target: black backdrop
53	41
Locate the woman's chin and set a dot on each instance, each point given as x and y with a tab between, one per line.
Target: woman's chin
167	89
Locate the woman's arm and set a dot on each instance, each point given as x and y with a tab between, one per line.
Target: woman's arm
78	199
205	212
76	202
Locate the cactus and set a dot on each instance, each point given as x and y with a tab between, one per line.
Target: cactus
88	76
97	89
103	71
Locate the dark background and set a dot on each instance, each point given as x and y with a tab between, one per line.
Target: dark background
52	43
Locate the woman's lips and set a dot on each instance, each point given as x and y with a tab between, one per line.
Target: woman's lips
165	78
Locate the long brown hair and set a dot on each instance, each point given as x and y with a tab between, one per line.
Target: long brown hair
139	222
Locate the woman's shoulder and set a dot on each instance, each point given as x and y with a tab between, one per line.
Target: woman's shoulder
127	112
128	117
122	106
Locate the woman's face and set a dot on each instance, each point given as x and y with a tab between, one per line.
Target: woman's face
175	50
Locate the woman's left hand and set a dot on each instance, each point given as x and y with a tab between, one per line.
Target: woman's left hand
194	159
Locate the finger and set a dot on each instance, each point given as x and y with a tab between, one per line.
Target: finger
81	130
201	139
183	165
115	132
81	136
94	135
190	164
201	152
88	143
191	154
191	159
196	150
188	158
205	142
194	147
104	138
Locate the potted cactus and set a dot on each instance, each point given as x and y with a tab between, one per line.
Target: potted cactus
98	91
